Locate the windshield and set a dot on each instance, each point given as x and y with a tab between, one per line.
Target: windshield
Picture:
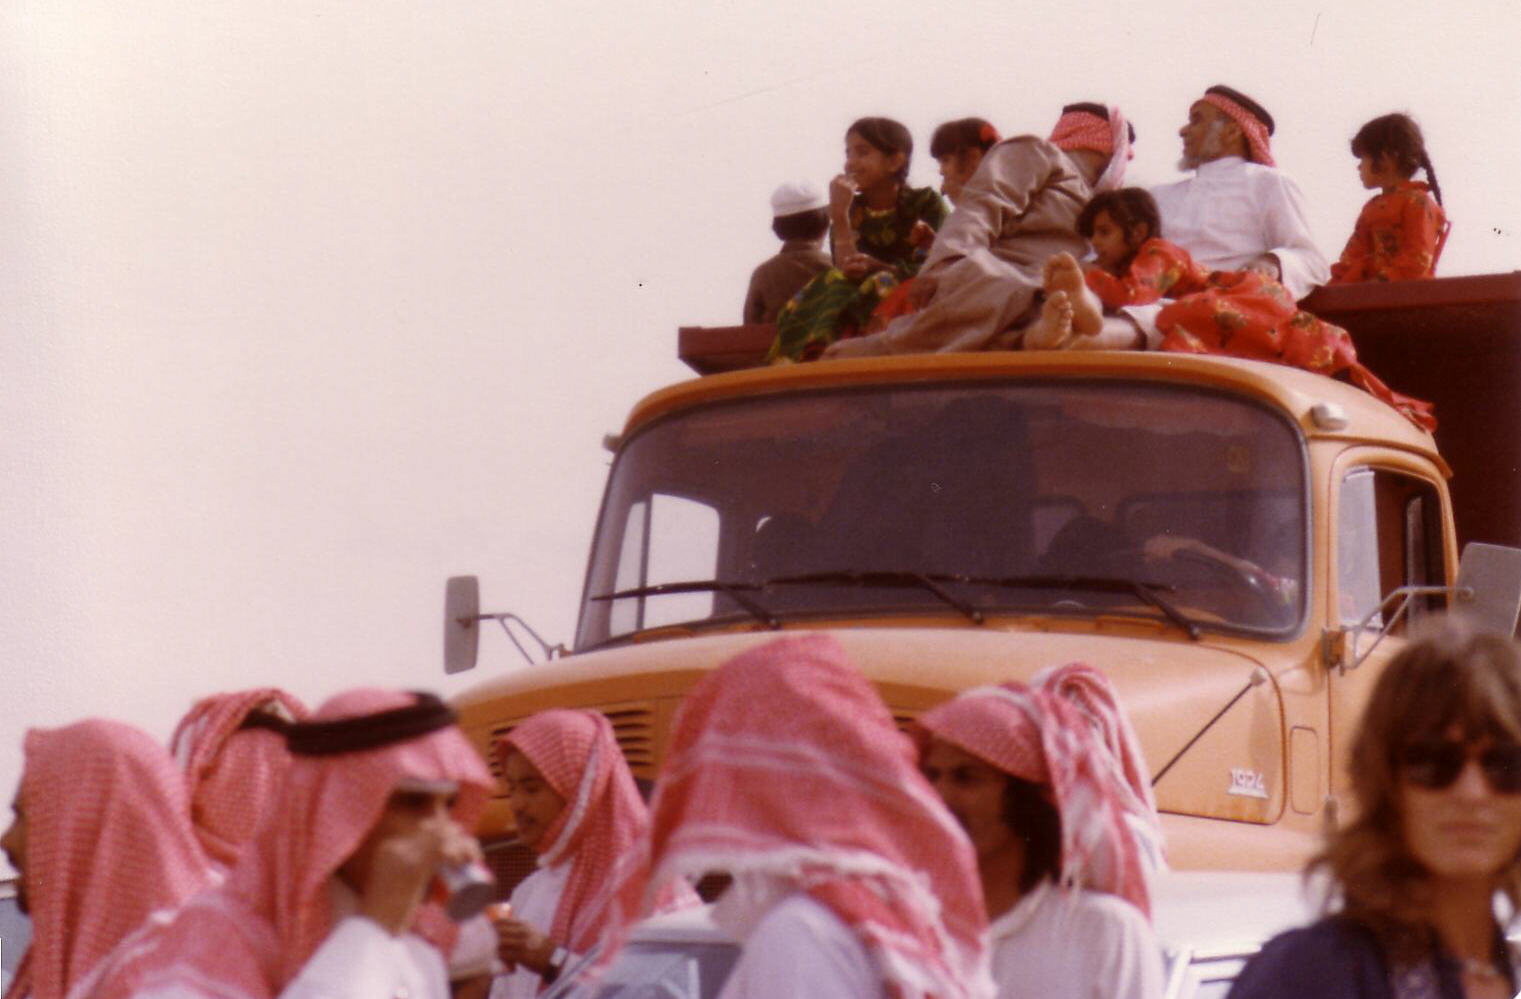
1056	496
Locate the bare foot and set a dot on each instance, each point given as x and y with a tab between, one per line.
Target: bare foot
1062	273
860	346
1054	327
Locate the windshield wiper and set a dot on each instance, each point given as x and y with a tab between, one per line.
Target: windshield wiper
926	581
733	590
1149	593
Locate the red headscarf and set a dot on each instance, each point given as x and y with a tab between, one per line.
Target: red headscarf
1078	128
1255	129
232	773
784	766
599	828
1067	732
250	937
108	842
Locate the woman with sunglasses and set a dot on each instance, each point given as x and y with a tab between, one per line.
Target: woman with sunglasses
1436	774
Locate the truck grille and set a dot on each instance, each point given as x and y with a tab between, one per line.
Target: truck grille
633	726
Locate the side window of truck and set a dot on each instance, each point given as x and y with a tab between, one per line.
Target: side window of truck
667	539
1388	535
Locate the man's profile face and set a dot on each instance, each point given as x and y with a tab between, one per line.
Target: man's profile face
535	804
406	809
1205	135
14	845
972	790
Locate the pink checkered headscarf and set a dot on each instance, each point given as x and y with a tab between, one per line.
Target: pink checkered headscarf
1258	132
1079	128
232	772
1068	733
600	827
785	769
108	842
249	938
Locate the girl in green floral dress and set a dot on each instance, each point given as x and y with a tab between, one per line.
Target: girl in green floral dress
880	233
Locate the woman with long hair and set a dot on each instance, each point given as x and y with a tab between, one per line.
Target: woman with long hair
1436	776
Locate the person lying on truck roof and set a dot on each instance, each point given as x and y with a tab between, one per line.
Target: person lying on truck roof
232	749
100	839
380	793
850	878
1242	313
1049	783
1237	213
1015	212
575	804
1434	838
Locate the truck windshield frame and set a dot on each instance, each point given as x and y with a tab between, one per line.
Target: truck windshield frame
997	498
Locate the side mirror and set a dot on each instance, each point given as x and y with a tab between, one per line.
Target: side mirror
462	623
1492	576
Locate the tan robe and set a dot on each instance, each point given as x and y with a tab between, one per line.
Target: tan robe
1018	210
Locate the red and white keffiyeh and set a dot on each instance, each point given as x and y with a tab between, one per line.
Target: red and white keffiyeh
249	937
108	842
1067	732
785	769
232	773
599	829
1258	138
1080	129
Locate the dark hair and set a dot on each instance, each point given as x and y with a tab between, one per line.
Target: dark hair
1098	111
1453	676
1398	137
886	136
801	225
1032	817
1127	207
962	134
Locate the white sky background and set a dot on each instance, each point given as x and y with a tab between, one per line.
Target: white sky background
305	307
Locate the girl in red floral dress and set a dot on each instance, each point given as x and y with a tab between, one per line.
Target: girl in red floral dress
1236	313
1399	233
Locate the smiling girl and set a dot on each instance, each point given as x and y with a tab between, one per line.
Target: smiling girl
880	232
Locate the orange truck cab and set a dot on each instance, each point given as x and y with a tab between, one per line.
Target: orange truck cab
1238	546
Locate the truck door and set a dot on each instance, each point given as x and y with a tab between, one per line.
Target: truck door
1387	532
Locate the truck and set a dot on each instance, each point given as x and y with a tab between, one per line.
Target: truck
1239	546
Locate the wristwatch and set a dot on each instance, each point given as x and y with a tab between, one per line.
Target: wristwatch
556	964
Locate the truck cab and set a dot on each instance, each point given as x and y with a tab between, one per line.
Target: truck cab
1216	535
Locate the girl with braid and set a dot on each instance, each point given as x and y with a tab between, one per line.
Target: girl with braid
1400	232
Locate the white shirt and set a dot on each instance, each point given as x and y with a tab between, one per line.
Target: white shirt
1231	211
1074	944
801	950
534	901
360	960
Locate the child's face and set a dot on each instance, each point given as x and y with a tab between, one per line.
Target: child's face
1109	242
1376	171
956	169
867	165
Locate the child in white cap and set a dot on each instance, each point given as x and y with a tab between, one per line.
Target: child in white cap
800	218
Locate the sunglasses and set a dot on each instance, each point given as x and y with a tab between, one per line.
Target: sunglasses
1435	764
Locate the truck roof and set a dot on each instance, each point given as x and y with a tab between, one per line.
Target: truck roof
1289	389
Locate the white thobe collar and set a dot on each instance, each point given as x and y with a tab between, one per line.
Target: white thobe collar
1220	166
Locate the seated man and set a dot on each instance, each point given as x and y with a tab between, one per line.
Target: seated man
1238	212
381	792
100	840
851	880
1018	210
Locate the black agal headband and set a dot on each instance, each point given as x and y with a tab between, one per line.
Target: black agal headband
353	735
